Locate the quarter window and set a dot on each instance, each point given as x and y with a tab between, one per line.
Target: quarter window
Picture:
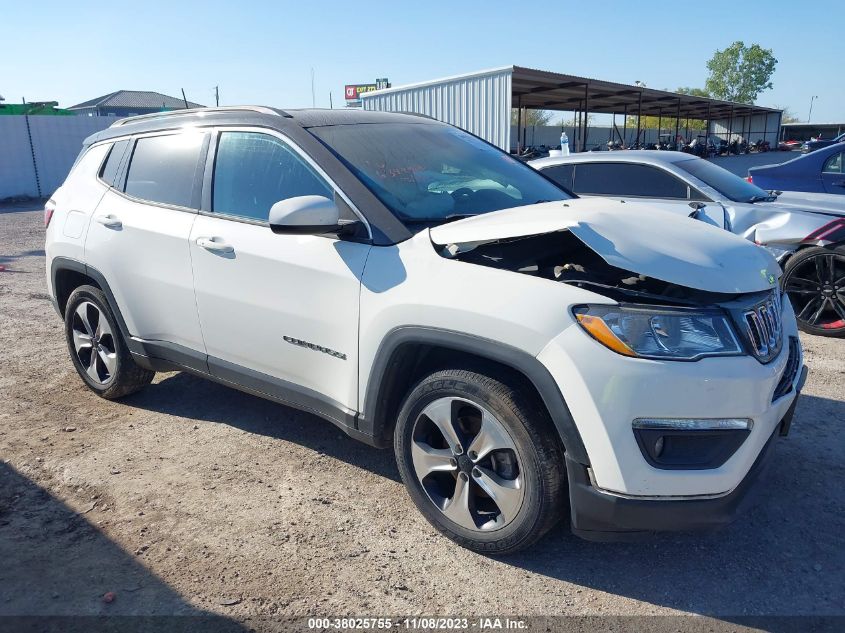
164	168
561	174
253	171
109	170
627	179
833	165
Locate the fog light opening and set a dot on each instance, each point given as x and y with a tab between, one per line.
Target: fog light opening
694	444
658	446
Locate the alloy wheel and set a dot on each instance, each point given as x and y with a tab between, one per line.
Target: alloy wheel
816	288
468	464
93	343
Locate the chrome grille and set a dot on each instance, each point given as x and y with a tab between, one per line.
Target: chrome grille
764	327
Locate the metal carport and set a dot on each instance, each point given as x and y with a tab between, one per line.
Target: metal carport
481	103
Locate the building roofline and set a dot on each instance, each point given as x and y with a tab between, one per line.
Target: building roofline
442	80
547	90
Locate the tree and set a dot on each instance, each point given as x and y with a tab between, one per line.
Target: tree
667	122
695	92
740	73
531	117
573	122
788	114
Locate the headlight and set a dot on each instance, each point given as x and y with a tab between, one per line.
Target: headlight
662	333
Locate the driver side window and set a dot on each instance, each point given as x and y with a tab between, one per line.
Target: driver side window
253	171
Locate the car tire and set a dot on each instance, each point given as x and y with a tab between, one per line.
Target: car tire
97	348
814	279
496	478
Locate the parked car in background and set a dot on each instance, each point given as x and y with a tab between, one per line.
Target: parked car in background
822	171
526	354
819	143
805	232
789	145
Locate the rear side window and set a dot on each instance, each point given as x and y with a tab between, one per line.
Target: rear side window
164	168
833	165
253	171
561	174
109	170
626	179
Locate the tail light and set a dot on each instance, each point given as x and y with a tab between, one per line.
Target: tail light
749	179
49	207
830	232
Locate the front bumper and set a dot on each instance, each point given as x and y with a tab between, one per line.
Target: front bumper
606	392
601	516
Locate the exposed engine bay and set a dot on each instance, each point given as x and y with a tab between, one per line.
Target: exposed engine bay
561	256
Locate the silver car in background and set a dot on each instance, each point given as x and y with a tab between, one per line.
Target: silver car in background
805	232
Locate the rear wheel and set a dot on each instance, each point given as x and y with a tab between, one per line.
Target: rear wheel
480	462
814	279
97	348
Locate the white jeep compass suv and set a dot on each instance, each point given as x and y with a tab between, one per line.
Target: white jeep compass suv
524	351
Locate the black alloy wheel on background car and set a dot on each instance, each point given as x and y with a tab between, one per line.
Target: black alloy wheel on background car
814	279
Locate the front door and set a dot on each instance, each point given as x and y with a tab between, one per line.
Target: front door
279	313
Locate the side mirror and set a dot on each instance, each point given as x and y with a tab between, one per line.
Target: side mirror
305	215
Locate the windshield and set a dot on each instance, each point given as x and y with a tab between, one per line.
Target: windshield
428	173
729	185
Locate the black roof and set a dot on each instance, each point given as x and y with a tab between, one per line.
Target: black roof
539	89
315	117
259	116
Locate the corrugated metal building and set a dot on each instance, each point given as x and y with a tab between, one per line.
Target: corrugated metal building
481	103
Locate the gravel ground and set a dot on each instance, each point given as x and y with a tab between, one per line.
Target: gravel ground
193	498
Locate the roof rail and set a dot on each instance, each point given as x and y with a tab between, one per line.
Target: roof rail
186	111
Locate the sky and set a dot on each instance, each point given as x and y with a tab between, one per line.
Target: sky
264	52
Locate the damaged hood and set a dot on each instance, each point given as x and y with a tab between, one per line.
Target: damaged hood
657	244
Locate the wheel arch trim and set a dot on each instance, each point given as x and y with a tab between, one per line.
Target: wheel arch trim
371	418
66	263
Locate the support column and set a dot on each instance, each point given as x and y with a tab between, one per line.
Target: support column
678	125
639	118
586	114
625	128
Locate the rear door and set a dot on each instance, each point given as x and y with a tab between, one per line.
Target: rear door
833	174
138	237
278	312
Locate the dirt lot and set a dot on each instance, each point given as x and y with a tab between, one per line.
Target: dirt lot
192	498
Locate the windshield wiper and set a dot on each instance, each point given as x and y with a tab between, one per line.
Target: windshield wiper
762	199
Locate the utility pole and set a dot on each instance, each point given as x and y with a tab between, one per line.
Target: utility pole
217	96
810	116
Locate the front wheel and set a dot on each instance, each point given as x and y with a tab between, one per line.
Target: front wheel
814	279
481	462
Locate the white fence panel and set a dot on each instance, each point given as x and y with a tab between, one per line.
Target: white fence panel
17	171
56	141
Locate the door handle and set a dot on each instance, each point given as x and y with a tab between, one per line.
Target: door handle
109	221
215	245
